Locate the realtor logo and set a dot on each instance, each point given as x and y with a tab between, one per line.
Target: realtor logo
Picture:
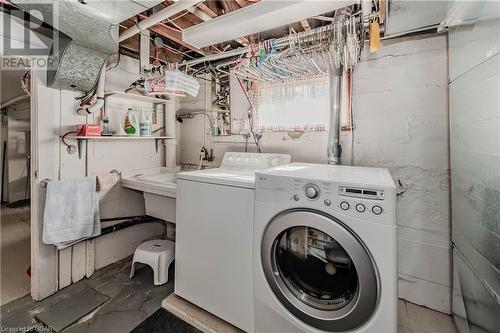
28	35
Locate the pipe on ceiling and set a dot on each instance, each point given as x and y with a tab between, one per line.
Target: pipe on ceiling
160	16
14	100
366	7
334	150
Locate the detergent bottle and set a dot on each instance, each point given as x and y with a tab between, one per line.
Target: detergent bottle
131	125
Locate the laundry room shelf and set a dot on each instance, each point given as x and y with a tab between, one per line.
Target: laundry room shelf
135	97
80	139
116	137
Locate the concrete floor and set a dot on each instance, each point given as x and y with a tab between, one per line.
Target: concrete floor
130	302
15	253
412	318
417	319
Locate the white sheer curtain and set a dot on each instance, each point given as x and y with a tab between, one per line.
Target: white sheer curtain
296	105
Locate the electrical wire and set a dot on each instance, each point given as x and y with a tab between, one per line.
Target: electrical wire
63	137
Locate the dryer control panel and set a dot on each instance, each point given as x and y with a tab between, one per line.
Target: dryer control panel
363	193
327	188
366	202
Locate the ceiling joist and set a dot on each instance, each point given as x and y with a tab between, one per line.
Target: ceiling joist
206	14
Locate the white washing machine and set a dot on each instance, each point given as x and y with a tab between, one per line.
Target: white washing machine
325	250
214	236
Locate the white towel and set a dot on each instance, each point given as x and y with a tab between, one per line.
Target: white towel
71	212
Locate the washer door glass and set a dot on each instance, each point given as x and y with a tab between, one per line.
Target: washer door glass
319	270
315	268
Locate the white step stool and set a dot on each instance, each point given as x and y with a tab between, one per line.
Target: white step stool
158	254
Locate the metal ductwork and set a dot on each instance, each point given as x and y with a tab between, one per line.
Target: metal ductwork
334	150
85	35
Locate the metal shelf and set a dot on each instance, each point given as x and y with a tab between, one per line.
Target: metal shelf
120	137
80	139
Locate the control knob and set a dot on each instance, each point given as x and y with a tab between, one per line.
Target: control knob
311	191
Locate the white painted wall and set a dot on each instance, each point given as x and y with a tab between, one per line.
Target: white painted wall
401	116
99	158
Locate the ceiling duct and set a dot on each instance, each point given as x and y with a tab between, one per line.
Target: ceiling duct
87	36
408	16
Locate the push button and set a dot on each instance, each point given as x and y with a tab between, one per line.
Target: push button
344	205
360	208
377	210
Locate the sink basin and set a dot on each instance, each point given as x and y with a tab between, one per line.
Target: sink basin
163	184
159	191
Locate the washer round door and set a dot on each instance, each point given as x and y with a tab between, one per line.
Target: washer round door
319	270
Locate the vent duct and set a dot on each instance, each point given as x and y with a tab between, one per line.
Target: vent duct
86	35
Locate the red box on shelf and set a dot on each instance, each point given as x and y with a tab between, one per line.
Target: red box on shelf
88	130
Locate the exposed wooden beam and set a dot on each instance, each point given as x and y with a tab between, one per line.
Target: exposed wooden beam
207	10
171	34
305	25
132	44
174	36
242	3
212	5
206	14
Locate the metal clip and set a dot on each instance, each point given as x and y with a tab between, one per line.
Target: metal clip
45	182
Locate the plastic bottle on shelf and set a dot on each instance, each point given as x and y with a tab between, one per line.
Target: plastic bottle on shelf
145	124
131	125
106	131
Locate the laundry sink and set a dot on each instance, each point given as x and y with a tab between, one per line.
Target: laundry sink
163	184
159	190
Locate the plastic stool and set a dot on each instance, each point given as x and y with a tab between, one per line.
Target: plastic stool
158	254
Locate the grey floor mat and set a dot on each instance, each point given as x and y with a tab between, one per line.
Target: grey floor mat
163	321
70	309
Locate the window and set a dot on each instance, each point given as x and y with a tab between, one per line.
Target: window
297	105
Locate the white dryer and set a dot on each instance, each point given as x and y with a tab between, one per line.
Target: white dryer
325	250
214	236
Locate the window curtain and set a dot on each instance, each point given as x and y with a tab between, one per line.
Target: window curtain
295	105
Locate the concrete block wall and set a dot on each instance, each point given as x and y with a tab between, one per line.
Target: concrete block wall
401	116
400	100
